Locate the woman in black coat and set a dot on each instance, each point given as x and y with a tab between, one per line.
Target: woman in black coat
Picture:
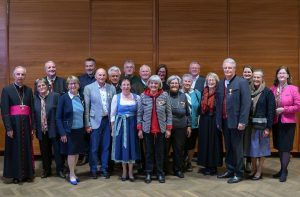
45	103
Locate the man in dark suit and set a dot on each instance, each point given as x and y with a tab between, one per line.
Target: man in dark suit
85	79
141	84
56	84
129	69
198	81
233	100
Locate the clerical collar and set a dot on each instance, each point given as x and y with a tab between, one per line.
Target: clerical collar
18	86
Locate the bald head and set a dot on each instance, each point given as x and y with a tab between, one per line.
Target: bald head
101	76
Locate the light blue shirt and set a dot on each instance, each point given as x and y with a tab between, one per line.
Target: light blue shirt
77	111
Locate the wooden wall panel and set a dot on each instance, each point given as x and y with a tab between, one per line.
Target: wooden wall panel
265	34
122	30
3	58
192	30
48	30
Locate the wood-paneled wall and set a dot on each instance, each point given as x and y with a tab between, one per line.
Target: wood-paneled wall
262	33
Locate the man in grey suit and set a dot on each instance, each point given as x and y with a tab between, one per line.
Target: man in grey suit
233	100
97	97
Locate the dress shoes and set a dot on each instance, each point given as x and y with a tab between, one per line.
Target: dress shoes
179	174
16	181
93	175
255	178
226	174
189	167
105	174
235	179
161	178
283	177
131	179
123	178
73	181
61	174
45	174
148	178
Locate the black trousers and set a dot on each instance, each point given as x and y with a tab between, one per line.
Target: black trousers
178	139
234	145
46	145
155	152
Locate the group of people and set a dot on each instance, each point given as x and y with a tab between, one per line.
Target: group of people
135	120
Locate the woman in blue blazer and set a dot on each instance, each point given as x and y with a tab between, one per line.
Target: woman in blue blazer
69	117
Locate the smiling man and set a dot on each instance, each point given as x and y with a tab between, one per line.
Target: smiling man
98	97
233	101
56	84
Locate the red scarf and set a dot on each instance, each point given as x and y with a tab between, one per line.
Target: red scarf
208	101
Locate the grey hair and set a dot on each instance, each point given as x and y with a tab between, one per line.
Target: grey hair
17	67
230	61
171	78
155	78
211	74
113	69
189	76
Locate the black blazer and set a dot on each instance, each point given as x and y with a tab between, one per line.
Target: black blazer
238	102
265	107
199	85
60	85
51	104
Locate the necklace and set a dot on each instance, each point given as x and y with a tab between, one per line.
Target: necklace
20	97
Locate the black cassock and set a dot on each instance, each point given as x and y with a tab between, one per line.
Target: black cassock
18	156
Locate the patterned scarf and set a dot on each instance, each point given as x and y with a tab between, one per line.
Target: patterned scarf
208	101
43	115
255	94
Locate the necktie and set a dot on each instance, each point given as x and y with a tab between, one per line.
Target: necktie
51	85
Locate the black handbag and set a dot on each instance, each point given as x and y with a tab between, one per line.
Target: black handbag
259	123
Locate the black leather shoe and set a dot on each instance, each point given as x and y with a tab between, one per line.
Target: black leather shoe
123	178
179	174
148	178
94	175
226	174
16	181
131	179
283	177
105	174
61	174
45	174
161	179
234	179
